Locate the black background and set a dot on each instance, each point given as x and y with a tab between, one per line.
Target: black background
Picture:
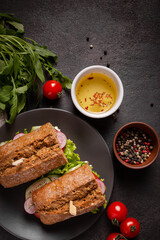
130	33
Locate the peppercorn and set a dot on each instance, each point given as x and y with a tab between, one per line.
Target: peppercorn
134	146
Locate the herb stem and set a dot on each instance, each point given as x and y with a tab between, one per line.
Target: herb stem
4	58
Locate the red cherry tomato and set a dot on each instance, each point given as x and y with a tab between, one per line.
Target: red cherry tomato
117	212
130	228
52	89
115	236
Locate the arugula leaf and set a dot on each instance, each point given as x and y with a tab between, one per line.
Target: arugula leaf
13	109
10	17
2	29
21	102
8	68
42	50
64	81
23	89
5	93
18	26
16	65
38	68
2	64
10	25
57	75
14	103
2	106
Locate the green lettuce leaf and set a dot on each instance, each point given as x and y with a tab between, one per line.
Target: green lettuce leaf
72	157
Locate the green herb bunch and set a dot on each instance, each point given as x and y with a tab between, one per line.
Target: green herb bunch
22	63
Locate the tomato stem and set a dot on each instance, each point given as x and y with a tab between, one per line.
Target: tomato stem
120	237
133	228
59	94
115	222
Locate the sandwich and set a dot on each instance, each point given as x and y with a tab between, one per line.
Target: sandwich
75	193
30	156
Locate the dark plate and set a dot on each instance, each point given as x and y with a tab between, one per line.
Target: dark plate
90	146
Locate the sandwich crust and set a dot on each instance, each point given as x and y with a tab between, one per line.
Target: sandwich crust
80	186
30	156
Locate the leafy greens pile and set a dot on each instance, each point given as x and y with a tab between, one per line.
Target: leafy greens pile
22	63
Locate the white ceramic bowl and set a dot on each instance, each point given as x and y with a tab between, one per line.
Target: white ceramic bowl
111	74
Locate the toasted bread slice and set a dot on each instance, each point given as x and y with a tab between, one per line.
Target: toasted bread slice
30	156
74	193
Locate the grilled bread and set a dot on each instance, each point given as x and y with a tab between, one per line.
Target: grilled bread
73	194
30	156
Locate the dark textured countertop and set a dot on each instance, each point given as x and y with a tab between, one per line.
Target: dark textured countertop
130	33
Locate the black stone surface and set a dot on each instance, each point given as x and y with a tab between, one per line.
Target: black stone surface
129	32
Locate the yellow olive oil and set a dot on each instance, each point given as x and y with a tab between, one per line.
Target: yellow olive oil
96	92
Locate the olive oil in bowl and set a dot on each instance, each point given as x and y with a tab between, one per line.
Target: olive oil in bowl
96	93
